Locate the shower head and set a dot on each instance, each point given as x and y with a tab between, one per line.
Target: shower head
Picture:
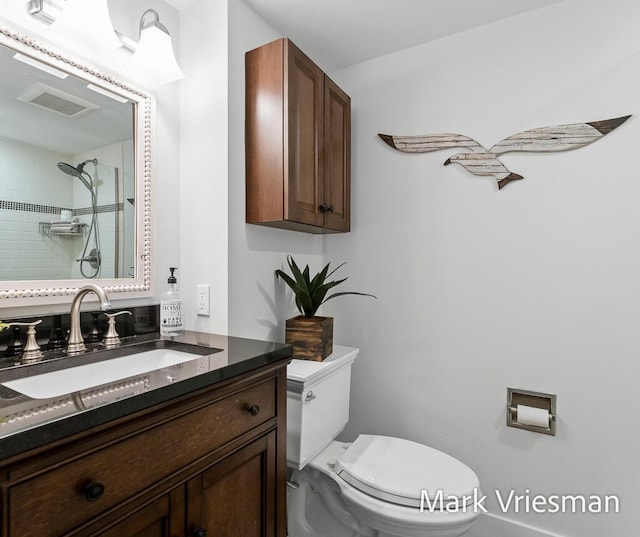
68	169
77	171
80	167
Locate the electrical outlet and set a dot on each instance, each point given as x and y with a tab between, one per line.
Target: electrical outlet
202	300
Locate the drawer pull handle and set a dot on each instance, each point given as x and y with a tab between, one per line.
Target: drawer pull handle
254	410
93	491
200	532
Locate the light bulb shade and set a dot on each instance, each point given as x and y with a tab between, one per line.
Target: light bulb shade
86	23
154	59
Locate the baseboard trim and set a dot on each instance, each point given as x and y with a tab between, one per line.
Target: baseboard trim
490	525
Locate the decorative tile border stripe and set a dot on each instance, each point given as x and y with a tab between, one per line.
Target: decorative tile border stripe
50	209
30	207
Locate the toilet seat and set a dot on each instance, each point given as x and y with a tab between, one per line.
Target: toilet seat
397	471
395	519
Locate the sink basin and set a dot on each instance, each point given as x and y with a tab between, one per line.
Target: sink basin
83	377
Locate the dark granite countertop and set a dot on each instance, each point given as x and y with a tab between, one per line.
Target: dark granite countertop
30	422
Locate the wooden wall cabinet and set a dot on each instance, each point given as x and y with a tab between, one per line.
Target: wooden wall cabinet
210	463
297	142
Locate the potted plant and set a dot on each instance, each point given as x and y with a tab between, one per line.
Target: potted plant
311	335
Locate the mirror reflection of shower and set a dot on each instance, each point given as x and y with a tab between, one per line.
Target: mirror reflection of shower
92	258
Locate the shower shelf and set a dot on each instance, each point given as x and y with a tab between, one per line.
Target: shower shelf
76	229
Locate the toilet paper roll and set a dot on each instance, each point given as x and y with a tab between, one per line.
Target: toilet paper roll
529	415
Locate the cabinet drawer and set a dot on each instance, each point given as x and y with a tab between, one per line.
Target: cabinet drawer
56	501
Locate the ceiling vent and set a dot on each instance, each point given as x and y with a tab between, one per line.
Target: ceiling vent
57	101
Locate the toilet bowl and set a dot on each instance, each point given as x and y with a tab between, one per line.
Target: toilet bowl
376	486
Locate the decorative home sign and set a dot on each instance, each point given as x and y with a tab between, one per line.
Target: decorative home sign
478	161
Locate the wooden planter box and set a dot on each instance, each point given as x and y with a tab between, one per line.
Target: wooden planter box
311	337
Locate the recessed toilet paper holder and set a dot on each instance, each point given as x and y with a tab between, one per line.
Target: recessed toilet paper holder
533	417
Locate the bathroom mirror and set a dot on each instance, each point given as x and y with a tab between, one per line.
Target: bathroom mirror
75	152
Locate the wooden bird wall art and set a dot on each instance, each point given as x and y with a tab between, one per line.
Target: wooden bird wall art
482	162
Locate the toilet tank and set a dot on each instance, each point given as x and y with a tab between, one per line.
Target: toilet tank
317	403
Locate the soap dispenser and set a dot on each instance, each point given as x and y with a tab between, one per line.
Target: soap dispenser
171	314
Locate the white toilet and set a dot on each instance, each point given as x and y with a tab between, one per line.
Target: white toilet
373	486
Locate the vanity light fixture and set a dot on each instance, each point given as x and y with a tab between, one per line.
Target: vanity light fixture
154	58
39	65
46	10
87	23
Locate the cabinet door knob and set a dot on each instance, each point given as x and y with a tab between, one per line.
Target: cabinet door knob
200	532
93	491
254	410
324	208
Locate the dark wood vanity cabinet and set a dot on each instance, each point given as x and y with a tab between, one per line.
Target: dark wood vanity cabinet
205	464
153	520
230	497
297	142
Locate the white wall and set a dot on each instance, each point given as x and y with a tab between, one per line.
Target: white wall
258	304
202	210
535	286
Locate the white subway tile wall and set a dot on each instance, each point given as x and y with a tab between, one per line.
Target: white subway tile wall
33	191
29	175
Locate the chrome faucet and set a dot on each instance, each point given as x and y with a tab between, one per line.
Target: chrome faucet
76	343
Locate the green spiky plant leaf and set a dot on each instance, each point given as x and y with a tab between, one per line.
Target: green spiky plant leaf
311	293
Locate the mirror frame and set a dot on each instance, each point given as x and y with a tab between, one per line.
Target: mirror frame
34	292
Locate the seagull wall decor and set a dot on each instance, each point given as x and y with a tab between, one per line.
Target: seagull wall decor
480	161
